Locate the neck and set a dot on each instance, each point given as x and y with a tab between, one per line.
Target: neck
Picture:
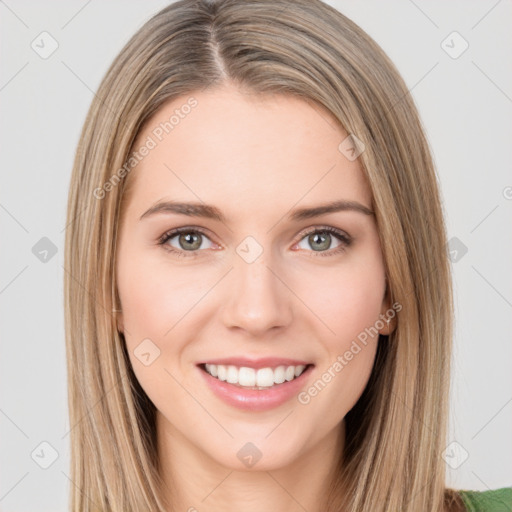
195	482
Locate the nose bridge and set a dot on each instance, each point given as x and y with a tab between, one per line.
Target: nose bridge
258	300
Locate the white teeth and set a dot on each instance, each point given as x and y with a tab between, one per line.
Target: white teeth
250	377
212	369
222	372
265	377
247	377
279	374
289	374
232	376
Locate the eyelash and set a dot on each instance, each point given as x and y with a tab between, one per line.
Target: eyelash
340	235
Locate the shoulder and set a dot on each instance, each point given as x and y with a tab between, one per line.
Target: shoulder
495	500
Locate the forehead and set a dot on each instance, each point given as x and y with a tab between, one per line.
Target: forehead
251	151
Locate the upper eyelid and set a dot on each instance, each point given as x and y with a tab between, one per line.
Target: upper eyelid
171	233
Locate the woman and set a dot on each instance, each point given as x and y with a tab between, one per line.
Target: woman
287	347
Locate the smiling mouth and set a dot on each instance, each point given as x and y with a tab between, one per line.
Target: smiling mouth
252	378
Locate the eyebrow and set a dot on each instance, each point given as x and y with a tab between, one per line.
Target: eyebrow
212	212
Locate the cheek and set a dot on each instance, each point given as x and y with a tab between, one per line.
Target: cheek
351	312
151	304
352	349
154	296
158	303
349	305
349	301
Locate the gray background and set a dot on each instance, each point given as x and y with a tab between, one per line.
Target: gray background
466	106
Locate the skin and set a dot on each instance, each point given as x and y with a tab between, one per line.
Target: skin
256	159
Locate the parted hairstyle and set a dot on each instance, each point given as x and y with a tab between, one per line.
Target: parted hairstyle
396	432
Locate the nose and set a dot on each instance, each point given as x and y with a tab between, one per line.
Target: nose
258	299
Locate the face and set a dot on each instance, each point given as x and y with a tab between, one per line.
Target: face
254	283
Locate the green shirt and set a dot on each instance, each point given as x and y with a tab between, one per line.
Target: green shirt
496	500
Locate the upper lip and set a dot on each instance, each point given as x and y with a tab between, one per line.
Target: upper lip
264	362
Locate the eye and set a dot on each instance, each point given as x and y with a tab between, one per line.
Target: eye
321	239
187	240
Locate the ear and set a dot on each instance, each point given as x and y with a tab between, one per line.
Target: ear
387	314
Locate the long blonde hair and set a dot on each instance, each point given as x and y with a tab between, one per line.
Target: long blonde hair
396	432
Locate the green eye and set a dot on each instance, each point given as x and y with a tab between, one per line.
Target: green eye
190	241
320	240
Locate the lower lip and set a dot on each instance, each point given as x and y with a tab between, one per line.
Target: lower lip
256	399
